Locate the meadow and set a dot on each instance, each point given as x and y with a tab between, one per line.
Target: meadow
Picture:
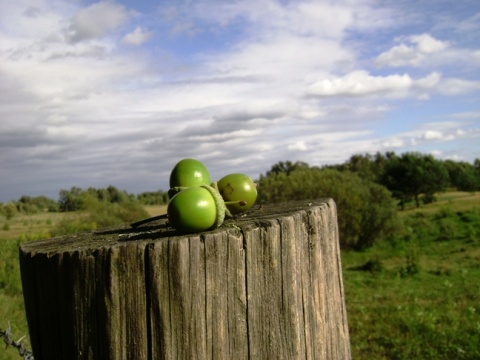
416	296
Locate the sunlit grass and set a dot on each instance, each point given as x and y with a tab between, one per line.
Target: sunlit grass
454	200
421	301
155	210
415	297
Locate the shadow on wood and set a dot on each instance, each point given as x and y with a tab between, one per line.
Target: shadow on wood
264	286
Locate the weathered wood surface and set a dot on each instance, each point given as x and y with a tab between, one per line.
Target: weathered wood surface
268	288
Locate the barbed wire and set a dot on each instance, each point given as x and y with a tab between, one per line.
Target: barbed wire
7	339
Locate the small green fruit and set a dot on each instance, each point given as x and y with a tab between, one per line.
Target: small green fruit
188	173
239	192
196	209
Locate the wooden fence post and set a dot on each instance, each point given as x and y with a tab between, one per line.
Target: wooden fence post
264	286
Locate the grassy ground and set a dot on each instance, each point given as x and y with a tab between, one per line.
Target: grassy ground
416	297
155	210
454	200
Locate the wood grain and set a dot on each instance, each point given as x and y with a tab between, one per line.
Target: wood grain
267	285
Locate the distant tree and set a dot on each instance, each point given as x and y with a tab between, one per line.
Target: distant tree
286	167
413	174
9	210
367	166
79	199
476	163
463	175
366	212
32	205
153	198
116	195
103	195
70	200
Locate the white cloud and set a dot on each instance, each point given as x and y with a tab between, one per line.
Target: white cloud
392	143
96	21
279	57
455	86
137	36
361	83
240	85
426	44
447	140
298	146
421	48
428	81
433	133
399	55
304	18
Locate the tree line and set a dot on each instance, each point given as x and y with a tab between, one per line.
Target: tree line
411	176
76	199
414	176
368	189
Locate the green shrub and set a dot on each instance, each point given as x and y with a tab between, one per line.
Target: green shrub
448	228
108	214
73	226
9	268
101	215
366	211
374	265
9	210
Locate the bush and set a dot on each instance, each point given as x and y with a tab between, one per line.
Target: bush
108	214
73	226
100	215
366	211
9	210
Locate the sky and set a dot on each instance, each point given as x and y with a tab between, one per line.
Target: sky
105	93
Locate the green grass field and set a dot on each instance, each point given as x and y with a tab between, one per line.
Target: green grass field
418	296
415	297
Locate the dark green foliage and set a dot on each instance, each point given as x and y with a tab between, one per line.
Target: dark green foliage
153	198
70	200
367	166
9	270
366	212
463	176
108	214
286	167
413	174
78	199
379	215
104	208
372	266
100	214
9	210
73	226
32	205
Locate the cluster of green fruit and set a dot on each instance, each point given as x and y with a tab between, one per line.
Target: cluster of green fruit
196	204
